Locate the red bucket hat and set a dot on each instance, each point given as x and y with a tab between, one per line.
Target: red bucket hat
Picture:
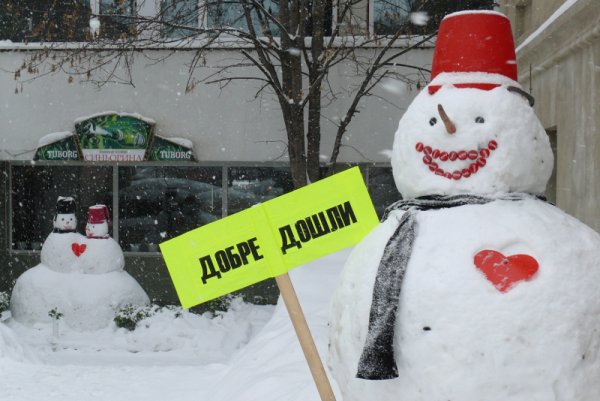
474	49
98	214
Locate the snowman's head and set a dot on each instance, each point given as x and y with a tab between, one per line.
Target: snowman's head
65	222
98	230
468	140
65	219
472	129
98	222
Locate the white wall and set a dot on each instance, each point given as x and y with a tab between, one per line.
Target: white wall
224	124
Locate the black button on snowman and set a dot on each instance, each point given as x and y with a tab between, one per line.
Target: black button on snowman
81	277
472	288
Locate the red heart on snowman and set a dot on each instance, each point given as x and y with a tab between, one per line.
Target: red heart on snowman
504	272
78	249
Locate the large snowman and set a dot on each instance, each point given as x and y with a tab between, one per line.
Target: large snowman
472	288
81	277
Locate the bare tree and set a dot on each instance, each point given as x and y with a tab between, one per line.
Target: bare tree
288	46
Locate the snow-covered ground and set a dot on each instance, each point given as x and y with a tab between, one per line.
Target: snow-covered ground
249	353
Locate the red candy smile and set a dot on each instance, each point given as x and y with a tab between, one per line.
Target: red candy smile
478	158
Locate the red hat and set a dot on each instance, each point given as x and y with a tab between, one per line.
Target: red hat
474	49
98	214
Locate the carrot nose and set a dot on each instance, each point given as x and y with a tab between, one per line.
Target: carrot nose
450	127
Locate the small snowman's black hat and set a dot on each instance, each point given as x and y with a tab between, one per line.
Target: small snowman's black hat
65	205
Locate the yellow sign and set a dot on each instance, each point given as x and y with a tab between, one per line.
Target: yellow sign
269	239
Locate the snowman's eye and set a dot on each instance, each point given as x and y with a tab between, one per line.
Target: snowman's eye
479	120
62	219
432	121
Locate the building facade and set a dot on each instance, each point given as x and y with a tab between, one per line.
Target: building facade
558	55
227	145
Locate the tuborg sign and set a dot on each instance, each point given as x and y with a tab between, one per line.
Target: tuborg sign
113	137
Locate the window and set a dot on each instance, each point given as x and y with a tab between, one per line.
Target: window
116	18
178	14
44	21
158	203
382	188
230	13
64	20
68	20
249	186
35	190
152	202
389	16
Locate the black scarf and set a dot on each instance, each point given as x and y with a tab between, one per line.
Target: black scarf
61	231
377	359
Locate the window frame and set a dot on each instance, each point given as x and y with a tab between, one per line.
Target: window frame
201	20
93	8
110	34
114	207
342	39
149	9
158	165
223	42
11	191
371	19
66	16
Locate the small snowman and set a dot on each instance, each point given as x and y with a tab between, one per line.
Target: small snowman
98	222
473	287
63	245
88	287
103	254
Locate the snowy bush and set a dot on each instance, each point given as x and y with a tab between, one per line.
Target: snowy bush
129	316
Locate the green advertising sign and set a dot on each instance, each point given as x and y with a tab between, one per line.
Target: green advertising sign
114	137
164	149
61	149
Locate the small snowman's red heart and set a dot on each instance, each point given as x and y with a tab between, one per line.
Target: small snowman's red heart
505	271
78	249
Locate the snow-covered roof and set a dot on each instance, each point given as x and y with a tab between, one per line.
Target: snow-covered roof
53	137
121	114
186	143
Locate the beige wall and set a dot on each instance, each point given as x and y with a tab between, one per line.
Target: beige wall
561	67
527	15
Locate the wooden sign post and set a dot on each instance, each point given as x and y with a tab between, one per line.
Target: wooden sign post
304	336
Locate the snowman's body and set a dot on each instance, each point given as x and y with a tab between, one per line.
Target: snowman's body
460	333
86	301
57	251
102	255
457	337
